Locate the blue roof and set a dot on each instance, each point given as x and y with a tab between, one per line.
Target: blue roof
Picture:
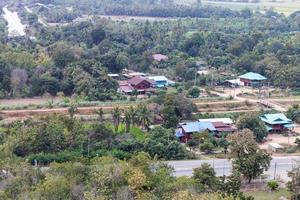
191	127
253	76
278	118
178	133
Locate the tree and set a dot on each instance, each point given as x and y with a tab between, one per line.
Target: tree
293	113
194	92
206	146
73	109
97	35
127	120
246	156
170	118
205	177
294	183
143	115
251	121
297	142
116	115
100	113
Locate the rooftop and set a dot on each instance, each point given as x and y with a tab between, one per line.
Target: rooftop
138	79
253	76
277	118
224	120
192	127
158	78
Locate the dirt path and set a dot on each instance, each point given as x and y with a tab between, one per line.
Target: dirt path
266	102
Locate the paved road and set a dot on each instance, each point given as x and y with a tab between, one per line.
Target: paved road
223	167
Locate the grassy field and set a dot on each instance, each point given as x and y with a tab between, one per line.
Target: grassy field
282	6
267	195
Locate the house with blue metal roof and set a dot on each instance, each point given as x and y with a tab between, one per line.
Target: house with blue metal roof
185	130
252	79
277	123
160	81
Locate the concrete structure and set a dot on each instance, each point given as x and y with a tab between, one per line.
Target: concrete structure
275	147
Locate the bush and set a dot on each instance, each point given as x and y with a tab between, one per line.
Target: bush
273	185
47	158
293	149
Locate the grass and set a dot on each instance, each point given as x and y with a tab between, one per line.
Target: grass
267	195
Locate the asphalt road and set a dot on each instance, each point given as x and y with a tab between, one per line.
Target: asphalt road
279	167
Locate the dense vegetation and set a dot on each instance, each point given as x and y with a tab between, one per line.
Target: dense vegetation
75	58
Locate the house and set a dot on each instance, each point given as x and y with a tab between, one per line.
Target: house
252	79
234	83
221	125
185	130
227	121
125	88
277	123
140	84
160	81
159	57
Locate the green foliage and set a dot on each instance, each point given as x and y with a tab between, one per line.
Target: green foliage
194	92
252	122
273	185
246	156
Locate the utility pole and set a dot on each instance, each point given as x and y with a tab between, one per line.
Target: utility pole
275	170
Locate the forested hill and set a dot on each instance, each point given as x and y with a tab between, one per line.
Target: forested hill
154	8
74	58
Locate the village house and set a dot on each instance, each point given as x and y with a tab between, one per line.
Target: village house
185	130
138	83
252	79
215	126
221	125
160	81
277	123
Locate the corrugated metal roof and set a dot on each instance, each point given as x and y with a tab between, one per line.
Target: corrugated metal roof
191	127
253	76
277	118
224	120
158	78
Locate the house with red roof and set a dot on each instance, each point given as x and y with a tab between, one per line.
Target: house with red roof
139	83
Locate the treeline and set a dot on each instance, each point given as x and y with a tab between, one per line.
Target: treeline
76	58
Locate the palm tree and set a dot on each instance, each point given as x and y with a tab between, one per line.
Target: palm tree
144	115
100	113
133	115
127	120
116	114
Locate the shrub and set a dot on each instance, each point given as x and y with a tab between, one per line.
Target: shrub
291	149
273	185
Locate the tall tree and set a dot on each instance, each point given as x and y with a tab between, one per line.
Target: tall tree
116	115
251	121
247	158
